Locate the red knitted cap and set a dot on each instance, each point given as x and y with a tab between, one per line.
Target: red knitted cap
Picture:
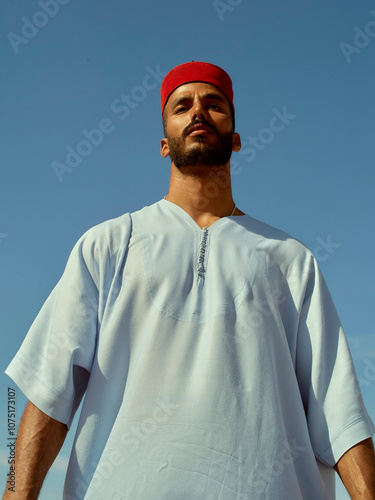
196	71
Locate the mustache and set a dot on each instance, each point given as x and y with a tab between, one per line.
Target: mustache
186	130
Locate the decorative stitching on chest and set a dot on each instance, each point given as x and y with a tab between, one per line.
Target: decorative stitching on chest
202	252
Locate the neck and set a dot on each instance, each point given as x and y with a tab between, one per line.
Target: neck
205	197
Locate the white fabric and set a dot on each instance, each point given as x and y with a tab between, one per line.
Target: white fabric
213	361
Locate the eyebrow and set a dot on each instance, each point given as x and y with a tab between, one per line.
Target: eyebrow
215	97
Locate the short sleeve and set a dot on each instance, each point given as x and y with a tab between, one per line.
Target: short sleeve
52	366
336	416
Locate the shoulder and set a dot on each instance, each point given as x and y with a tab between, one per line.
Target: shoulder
110	232
280	247
105	240
273	238
111	237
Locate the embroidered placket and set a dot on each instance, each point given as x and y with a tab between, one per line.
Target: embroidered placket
202	252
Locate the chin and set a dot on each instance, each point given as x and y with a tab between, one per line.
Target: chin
199	140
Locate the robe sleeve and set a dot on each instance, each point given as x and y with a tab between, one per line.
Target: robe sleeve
53	365
336	415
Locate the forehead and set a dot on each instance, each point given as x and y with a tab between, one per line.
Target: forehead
193	89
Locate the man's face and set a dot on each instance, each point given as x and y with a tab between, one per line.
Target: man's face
199	128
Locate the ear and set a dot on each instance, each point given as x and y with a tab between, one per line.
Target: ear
164	148
236	142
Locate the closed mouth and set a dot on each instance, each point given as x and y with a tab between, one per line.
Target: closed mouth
199	128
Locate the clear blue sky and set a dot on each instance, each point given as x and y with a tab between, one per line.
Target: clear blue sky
314	178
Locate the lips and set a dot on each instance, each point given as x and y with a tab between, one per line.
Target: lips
199	130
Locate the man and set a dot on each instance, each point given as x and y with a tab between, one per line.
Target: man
209	349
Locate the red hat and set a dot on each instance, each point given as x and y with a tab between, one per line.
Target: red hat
196	71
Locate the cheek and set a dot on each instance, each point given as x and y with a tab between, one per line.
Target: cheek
222	122
175	128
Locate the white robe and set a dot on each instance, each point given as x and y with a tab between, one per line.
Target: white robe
213	361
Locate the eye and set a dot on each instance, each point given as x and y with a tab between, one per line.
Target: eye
214	106
181	108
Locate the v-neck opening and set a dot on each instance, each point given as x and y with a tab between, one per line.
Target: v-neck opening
190	219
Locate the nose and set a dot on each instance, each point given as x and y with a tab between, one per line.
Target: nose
198	111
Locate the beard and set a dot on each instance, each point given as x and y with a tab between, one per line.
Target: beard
201	158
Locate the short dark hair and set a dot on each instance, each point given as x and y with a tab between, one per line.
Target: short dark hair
164	120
